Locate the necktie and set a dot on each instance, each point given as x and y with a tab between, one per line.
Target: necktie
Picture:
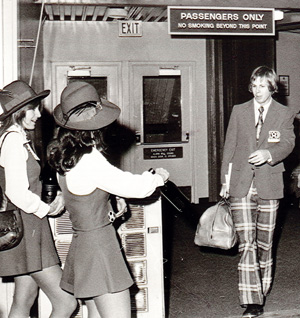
260	122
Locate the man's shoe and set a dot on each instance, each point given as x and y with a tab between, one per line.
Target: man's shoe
253	310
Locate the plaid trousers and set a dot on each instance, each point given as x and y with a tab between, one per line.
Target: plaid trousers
254	220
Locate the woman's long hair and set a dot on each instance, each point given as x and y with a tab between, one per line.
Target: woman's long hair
68	147
17	117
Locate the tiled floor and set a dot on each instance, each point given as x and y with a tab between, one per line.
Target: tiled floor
277	314
202	282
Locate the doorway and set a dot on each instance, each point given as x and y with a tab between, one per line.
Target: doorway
230	62
161	101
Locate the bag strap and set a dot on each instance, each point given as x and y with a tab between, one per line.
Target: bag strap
7	133
5	200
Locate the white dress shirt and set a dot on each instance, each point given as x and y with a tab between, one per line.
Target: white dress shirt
13	158
256	111
94	171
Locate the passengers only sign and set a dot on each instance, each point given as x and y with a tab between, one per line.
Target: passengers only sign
221	21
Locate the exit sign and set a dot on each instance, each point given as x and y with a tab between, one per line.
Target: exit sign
130	28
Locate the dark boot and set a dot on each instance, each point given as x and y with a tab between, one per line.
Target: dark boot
253	310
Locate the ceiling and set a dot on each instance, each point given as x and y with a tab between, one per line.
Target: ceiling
93	10
102	13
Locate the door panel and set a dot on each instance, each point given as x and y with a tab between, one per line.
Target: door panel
161	99
105	77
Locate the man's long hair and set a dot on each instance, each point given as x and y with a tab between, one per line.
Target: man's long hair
269	74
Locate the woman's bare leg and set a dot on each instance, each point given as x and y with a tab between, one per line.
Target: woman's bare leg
63	303
114	305
26	291
92	308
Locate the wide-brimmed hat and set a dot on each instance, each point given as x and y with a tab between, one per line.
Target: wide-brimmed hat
16	95
81	108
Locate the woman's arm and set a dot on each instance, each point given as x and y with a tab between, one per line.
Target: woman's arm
13	159
94	171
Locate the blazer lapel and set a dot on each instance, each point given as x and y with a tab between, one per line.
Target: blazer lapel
249	121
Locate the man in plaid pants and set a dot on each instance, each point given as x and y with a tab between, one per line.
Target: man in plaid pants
259	137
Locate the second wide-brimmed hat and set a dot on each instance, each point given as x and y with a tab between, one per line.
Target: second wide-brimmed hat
16	95
81	108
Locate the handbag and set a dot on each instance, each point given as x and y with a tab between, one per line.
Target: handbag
216	228
11	229
171	192
11	224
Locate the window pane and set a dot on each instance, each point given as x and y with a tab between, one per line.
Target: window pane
162	109
100	83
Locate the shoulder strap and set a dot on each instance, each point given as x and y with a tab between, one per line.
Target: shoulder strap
7	133
4	200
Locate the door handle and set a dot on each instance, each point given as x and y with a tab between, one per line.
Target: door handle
187	136
137	137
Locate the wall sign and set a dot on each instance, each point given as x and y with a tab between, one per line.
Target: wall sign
284	85
130	28
221	21
163	153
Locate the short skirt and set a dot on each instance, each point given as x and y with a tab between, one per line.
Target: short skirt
95	264
35	252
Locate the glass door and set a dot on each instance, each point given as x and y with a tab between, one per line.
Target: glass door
161	99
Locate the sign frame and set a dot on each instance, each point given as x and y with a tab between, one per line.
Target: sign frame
228	10
158	153
133	28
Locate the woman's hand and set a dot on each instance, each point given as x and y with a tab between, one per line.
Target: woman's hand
163	173
121	206
57	205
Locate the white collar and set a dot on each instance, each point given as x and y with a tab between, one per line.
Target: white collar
266	106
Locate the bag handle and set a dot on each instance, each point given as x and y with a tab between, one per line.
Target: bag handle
221	202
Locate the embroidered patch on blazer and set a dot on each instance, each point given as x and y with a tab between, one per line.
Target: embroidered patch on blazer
274	136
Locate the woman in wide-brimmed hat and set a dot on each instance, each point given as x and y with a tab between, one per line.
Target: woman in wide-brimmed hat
34	262
95	269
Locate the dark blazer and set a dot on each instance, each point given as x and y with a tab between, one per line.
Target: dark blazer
277	136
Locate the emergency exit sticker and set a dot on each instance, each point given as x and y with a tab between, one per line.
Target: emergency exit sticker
163	153
130	28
